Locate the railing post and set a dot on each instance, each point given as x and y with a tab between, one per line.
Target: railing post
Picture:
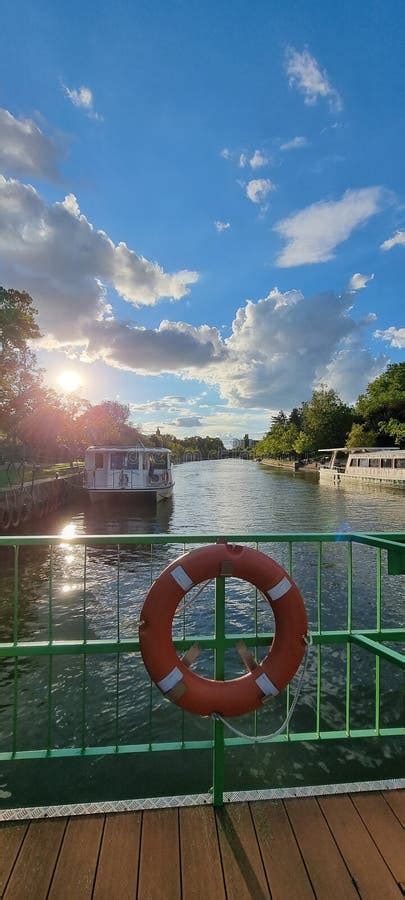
219	666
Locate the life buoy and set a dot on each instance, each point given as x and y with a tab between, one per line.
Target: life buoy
173	676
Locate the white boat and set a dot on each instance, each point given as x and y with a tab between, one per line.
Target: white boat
128	472
372	465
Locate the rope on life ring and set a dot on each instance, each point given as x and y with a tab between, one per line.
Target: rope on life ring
174	677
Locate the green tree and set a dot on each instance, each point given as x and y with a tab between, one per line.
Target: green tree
326	419
384	398
21	386
359	436
396	430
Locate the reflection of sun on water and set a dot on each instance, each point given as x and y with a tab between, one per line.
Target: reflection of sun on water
68	530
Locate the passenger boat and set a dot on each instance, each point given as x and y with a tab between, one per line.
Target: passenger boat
128	472
373	465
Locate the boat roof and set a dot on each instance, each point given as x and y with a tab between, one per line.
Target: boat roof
133	449
361	449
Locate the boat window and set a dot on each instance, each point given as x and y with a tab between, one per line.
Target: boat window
354	462
158	460
117	460
400	463
99	460
363	462
374	463
386	463
133	460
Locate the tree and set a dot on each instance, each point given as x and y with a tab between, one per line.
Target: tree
326	419
107	423
396	430
20	380
384	398
359	436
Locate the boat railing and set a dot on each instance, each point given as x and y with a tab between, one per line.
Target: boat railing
339	574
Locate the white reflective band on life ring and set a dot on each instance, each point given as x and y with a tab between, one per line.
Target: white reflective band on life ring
266	685
182	578
170	680
278	590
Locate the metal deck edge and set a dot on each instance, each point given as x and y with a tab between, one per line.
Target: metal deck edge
116	806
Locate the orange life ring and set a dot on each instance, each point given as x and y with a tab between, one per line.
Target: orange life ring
173	676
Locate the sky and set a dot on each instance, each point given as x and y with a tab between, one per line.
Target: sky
206	201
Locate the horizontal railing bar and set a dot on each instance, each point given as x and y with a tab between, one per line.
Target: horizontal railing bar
373	646
386	543
206	642
165	746
142	539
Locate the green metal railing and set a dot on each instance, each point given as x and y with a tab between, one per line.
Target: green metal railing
373	641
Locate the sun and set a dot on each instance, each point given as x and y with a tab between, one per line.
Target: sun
69	381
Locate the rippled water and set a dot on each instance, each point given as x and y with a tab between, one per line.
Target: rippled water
215	497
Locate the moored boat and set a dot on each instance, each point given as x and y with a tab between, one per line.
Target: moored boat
128	472
373	465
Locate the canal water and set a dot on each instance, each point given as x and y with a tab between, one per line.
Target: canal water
102	701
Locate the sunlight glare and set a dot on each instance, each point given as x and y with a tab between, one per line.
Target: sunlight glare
69	381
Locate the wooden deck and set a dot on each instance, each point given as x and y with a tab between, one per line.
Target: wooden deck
339	846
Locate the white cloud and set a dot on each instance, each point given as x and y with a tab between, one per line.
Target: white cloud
226	153
243	160
304	74
258	188
397	238
313	233
222	226
258	160
26	150
295	144
187	422
170	404
82	98
394	336
351	369
358	281
65	263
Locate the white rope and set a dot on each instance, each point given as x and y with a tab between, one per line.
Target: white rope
268	737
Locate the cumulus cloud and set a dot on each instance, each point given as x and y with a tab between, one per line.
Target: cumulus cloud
358	281
295	144
169	404
225	153
351	369
394	336
243	160
187	422
26	150
258	160
55	253
397	238
304	73
222	226
82	97
313	233
258	188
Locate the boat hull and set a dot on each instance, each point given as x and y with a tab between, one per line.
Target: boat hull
156	493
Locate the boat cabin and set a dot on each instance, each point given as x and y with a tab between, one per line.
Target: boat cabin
129	469
382	464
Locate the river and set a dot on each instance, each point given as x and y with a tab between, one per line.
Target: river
213	497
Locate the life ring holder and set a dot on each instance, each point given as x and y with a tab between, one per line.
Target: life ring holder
174	677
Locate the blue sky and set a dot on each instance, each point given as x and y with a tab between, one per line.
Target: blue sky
228	168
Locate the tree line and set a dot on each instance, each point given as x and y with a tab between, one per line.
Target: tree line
376	419
41	425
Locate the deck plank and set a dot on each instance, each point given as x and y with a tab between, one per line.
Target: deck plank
36	862
322	858
201	868
117	870
159	869
385	830
11	838
241	860
367	867
77	862
396	800
285	870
